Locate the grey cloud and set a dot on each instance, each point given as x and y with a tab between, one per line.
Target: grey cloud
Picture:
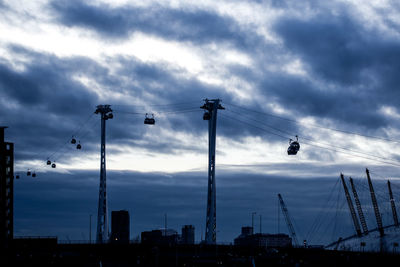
47	103
180	24
354	67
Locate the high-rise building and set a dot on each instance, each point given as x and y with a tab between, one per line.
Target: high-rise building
6	190
187	234
120	226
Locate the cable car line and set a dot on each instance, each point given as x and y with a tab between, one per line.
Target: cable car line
159	105
319	143
261	122
316	145
78	146
53	157
178	108
314	125
158	112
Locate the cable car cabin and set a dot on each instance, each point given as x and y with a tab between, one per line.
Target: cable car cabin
73	140
17	176
33	175
206	116
28	173
149	120
53	165
294	147
78	146
48	162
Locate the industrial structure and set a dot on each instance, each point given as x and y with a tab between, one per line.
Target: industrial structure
288	220
211	108
351	207
102	212
380	239
6	190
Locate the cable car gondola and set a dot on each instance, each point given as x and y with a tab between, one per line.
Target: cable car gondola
294	146
28	173
149	120
48	162
53	165
73	140
78	146
17	176
33	174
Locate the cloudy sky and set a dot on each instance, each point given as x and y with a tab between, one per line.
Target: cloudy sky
325	71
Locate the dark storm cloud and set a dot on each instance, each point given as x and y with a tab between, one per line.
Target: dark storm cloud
356	67
47	85
45	102
336	49
184	25
303	97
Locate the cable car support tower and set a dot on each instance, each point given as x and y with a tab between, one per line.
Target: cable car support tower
102	213
211	107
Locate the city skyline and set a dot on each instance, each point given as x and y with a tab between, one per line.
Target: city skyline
326	72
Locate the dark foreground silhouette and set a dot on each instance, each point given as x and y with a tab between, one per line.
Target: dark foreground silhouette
49	253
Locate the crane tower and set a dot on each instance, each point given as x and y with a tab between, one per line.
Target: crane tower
211	107
288	221
102	212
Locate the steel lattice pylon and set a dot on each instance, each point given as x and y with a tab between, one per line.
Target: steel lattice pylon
211	107
102	213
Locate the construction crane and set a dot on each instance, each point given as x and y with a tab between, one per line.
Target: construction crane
288	221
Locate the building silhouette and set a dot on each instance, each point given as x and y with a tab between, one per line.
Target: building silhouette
120	226
187	234
247	238
6	190
160	237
